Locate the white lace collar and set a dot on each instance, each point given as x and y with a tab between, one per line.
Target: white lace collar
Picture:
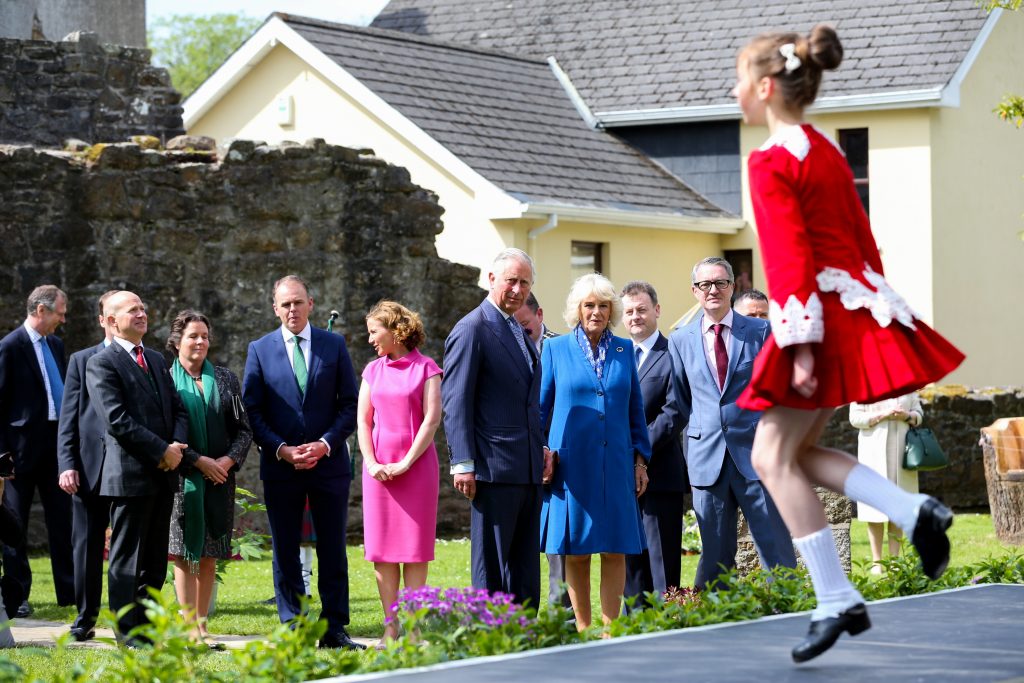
795	141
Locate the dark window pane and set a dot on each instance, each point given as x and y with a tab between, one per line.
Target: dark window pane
855	144
585	258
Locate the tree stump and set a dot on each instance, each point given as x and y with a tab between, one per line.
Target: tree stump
1003	448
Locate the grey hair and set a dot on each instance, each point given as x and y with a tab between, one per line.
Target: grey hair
47	295
712	261
585	286
512	254
288	278
640	286
752	294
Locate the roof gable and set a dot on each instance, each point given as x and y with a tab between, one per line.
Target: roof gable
505	118
681	53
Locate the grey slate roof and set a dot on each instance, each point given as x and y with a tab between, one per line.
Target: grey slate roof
653	54
506	117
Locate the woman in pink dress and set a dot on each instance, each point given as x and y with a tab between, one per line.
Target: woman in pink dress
399	410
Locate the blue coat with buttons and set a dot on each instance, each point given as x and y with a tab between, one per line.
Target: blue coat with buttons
596	426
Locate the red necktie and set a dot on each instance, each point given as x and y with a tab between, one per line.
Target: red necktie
140	359
721	357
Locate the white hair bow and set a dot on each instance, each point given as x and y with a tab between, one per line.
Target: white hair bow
792	61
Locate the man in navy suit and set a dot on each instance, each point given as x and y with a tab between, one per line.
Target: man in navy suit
80	458
146	427
663	505
490	394
32	369
712	362
300	391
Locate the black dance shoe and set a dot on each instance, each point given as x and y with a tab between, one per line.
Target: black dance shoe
82	633
930	538
823	633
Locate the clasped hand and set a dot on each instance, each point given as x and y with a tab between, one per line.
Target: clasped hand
172	457
305	456
215	470
388	471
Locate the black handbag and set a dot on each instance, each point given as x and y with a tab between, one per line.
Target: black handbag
923	451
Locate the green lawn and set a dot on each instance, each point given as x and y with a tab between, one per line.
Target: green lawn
248	583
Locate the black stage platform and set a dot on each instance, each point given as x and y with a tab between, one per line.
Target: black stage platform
968	634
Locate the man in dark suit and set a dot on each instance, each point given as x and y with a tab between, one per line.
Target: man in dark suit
663	505
490	394
712	362
146	426
80	459
32	369
531	316
300	391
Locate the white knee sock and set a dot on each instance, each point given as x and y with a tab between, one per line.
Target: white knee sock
833	589
865	485
306	555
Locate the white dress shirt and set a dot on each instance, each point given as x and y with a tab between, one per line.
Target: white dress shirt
645	346
37	342
304	344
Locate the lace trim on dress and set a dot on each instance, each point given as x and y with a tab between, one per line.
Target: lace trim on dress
797	323
884	303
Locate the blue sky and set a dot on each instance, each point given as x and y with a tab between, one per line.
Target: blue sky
348	11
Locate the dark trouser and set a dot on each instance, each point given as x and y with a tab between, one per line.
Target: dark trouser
140	526
716	516
18	494
658	567
328	504
557	594
505	539
90	517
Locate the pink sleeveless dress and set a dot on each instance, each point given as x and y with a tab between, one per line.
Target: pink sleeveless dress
400	516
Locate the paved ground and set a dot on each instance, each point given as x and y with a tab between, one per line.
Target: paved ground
971	634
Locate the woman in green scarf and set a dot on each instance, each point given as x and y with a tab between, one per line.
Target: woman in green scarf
219	438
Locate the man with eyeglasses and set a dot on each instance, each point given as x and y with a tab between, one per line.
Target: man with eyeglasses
712	361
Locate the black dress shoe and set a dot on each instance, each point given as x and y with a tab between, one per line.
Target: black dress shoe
24	611
823	633
930	538
340	640
82	633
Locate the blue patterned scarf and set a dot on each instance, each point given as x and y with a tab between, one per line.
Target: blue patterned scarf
602	348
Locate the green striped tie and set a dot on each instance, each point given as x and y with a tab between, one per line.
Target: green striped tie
299	365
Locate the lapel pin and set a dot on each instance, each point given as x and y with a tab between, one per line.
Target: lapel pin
618	349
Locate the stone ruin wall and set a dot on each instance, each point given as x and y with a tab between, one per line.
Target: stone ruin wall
51	91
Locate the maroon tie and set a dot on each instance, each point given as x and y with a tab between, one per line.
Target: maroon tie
140	359
721	357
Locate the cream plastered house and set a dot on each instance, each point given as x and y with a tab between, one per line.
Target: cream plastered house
506	144
911	105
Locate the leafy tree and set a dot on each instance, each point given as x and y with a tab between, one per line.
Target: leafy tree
192	47
1012	107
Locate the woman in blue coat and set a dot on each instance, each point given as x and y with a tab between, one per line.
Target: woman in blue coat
590	392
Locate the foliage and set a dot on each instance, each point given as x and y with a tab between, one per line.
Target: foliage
1011	109
1011	5
691	533
192	46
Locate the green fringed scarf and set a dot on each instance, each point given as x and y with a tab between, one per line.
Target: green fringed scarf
207	435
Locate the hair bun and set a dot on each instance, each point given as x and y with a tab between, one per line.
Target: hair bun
824	48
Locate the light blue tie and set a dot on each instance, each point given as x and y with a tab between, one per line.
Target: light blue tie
53	374
639	351
517	332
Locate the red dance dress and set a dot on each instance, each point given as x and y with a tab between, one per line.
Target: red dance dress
826	285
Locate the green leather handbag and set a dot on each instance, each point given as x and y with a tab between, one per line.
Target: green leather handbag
923	451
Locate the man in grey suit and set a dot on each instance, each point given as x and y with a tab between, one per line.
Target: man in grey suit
531	316
712	362
663	505
146	426
79	459
490	393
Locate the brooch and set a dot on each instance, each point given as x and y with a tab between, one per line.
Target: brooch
618	349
